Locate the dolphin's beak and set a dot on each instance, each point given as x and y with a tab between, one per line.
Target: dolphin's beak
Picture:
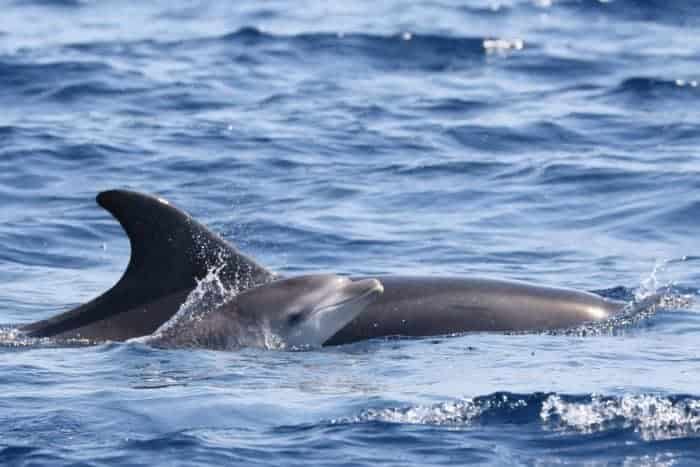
354	296
350	300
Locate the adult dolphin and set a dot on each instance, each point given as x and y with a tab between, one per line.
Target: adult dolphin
170	252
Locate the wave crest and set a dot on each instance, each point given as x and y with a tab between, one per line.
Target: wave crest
652	417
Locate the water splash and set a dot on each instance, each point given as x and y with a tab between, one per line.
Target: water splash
212	292
652	294
649	285
272	341
502	45
653	417
653	282
13	337
446	413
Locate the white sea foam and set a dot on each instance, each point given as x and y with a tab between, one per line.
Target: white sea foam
501	45
653	417
461	412
12	336
446	413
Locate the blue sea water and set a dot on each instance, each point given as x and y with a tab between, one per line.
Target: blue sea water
555	141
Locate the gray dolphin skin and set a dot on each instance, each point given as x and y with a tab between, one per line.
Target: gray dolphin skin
170	252
430	306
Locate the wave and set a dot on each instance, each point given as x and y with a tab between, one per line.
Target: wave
498	138
650	416
17	73
642	88
67	81
53	3
404	51
424	52
676	12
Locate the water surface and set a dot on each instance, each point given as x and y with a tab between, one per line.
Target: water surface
551	140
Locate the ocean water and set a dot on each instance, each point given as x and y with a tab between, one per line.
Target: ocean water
555	141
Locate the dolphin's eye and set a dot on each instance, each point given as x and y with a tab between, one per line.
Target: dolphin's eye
295	318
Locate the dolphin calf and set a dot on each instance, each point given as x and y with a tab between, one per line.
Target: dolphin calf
171	252
302	311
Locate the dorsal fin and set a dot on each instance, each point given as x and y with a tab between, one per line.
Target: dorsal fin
169	251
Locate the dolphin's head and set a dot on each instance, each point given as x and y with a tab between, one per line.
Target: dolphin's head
306	311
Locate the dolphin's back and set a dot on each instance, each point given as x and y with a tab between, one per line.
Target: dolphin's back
425	306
